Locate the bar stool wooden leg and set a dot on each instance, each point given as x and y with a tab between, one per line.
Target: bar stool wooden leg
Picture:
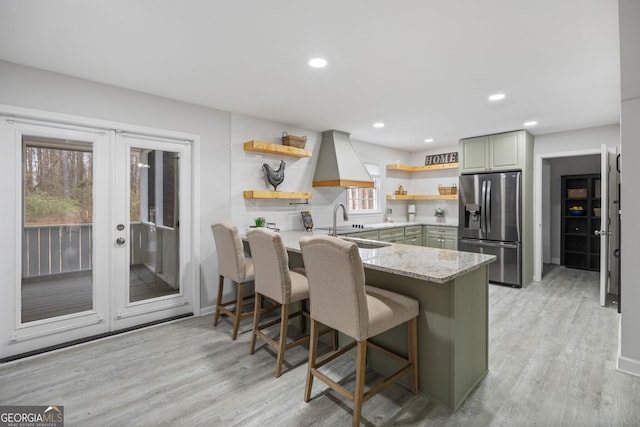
236	322
412	345
302	320
282	344
358	394
219	301
313	353
257	314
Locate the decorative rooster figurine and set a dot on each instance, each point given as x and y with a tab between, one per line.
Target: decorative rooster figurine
276	177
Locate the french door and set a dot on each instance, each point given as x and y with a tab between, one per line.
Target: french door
101	238
149	245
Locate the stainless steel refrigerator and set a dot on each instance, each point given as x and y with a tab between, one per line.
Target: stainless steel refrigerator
490	222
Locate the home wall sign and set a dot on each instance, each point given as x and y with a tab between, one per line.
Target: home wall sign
441	159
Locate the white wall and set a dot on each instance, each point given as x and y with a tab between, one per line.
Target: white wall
629	351
426	182
577	140
247	174
382	156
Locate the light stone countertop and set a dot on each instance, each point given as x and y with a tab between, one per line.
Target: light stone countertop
419	262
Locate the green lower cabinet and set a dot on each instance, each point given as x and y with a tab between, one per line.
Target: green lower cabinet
370	235
391	235
413	235
441	237
415	240
409	235
399	239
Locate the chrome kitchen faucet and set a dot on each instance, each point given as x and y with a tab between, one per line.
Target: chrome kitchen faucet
335	213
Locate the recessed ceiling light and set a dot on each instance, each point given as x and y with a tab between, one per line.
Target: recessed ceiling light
378	125
318	62
497	97
531	123
429	140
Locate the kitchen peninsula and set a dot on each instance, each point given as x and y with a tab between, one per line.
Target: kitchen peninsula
452	289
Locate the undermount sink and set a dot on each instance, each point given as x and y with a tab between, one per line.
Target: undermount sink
366	244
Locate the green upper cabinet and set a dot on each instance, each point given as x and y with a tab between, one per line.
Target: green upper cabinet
474	156
504	151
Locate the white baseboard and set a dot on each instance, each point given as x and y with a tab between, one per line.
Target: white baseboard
555	261
628	366
206	311
625	364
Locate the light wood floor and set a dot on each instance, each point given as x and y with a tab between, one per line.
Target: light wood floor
552	363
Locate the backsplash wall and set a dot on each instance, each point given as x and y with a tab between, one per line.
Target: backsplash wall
428	182
246	174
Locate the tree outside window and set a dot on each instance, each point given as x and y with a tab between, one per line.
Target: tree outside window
57	182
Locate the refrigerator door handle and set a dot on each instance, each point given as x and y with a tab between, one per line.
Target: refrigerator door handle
483	209
488	207
488	243
518	213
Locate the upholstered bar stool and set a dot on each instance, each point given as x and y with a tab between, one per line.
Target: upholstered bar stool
276	282
233	265
340	299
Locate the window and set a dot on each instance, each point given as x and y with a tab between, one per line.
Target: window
58	182
365	200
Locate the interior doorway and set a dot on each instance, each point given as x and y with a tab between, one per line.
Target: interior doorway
549	168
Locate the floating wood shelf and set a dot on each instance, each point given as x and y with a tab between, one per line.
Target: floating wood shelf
266	194
422	197
407	168
267	147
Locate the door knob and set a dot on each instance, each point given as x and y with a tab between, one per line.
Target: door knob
120	241
602	233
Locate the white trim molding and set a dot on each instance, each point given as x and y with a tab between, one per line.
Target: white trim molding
537	194
626	364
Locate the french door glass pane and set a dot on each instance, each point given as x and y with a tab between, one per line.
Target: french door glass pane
154	224
57	267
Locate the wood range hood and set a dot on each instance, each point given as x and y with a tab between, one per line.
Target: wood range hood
338	163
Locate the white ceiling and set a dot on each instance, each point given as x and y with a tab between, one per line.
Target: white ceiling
423	67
